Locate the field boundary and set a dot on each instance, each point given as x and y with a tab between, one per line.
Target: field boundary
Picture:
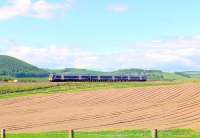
71	133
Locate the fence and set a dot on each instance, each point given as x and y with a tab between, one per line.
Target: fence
108	134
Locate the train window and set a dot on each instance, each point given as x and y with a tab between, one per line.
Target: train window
94	77
58	77
71	77
85	76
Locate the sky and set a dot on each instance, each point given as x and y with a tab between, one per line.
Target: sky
102	34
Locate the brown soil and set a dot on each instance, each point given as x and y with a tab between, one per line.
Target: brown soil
162	108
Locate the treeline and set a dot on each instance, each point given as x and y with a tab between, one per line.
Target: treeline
23	74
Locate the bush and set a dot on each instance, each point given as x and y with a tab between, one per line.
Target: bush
6	78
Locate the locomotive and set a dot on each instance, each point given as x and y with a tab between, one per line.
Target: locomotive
94	78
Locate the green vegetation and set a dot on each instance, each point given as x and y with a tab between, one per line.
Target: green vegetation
6	78
174	76
9	90
190	74
33	79
179	133
73	71
10	66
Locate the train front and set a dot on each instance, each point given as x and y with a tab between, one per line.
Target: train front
51	76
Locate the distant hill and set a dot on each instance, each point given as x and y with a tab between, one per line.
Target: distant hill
10	66
189	74
75	71
13	67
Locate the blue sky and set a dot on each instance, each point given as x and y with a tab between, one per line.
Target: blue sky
102	34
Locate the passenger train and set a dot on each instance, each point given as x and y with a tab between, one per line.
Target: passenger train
93	78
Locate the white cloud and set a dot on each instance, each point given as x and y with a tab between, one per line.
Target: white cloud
35	9
171	55
118	8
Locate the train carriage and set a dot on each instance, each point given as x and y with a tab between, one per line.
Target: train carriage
94	78
117	78
124	78
85	78
71	78
88	78
106	78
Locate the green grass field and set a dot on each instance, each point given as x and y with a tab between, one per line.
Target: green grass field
179	133
10	90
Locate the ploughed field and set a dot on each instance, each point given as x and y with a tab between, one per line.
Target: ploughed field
166	107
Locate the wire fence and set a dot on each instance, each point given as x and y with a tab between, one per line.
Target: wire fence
109	134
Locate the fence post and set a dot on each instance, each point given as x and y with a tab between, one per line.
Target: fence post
3	133
71	133
154	133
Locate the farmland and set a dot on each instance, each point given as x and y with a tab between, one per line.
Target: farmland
10	90
100	110
136	106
